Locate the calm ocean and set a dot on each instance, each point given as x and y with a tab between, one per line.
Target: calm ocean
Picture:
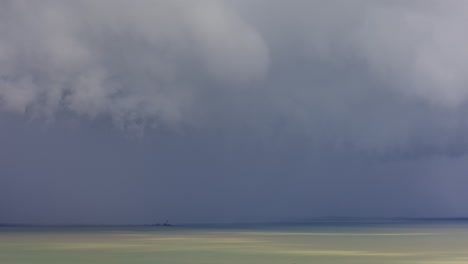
360	243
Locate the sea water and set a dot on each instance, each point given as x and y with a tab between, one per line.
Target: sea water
321	243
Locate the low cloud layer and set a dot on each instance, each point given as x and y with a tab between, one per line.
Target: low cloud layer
375	73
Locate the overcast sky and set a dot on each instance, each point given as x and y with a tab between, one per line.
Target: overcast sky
119	111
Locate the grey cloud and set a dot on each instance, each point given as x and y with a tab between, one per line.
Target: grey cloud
381	75
250	110
128	60
372	73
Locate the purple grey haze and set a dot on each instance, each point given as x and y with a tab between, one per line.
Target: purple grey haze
117	111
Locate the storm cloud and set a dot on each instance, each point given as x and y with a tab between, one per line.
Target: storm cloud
300	108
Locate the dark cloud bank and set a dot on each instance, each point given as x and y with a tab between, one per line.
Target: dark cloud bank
208	111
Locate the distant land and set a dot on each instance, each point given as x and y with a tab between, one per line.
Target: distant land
65	225
378	219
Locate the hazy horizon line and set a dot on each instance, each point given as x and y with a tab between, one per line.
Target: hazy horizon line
328	219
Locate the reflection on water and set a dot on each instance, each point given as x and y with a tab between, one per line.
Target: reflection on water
418	242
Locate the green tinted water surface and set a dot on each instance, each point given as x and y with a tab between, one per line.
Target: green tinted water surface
445	243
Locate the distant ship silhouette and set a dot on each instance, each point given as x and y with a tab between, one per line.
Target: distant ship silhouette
165	224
